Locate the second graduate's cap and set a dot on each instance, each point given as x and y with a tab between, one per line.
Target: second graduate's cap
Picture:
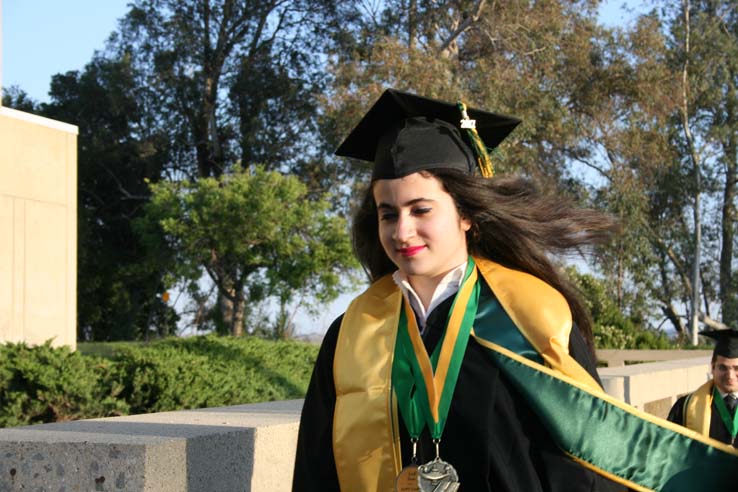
726	342
403	133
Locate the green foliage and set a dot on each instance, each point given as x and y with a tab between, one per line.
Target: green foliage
229	80
212	371
173	97
16	98
612	328
45	384
256	233
118	282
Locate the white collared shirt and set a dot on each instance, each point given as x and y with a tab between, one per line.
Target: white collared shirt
447	287
722	395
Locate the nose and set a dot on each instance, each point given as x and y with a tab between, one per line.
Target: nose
404	228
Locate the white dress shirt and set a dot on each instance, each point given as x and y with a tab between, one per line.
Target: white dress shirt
447	287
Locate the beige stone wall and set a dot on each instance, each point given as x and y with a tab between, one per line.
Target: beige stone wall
38	229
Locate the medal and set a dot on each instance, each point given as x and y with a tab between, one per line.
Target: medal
407	480
424	385
438	476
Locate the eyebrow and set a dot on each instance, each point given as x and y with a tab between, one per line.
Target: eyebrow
383	205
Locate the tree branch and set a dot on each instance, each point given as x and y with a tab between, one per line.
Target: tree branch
465	24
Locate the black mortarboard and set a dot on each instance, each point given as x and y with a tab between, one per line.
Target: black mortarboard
403	133
726	342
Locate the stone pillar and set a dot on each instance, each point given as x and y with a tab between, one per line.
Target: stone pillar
38	229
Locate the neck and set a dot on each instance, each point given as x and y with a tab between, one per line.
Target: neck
425	288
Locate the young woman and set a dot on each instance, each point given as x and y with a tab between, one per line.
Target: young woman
437	377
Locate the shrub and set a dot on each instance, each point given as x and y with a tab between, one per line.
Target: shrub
46	384
212	371
613	329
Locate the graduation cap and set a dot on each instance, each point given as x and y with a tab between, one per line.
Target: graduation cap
403	133
726	342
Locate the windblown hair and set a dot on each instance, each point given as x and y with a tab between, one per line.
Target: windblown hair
513	224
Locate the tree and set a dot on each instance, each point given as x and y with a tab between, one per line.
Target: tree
672	136
230	82
256	234
600	119
697	180
16	98
572	82
711	127
612	329
119	288
510	57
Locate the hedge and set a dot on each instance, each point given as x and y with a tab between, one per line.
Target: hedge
46	384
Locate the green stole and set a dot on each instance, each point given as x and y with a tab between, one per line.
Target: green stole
525	325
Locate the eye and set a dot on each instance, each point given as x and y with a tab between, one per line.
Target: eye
387	215
421	210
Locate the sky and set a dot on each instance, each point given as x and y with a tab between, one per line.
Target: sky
41	38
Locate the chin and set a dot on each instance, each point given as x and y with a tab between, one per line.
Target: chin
728	388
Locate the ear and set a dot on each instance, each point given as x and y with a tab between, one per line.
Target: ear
465	224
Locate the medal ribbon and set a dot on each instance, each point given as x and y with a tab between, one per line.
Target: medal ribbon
731	423
424	386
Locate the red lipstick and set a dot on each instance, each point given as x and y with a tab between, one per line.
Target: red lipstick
411	251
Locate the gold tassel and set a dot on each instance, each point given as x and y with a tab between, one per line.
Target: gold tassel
483	160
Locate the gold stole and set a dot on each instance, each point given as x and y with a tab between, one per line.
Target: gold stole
366	441
365	423
698	409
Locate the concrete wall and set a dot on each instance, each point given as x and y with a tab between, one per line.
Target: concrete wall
38	229
655	386
244	448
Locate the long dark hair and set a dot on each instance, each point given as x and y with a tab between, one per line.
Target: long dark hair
513	223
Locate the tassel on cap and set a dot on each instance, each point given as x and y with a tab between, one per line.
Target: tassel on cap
480	150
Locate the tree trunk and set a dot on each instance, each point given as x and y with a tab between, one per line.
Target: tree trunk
727	294
695	302
673	317
238	314
225	303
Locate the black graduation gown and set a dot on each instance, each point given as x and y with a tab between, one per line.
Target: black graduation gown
717	426
491	436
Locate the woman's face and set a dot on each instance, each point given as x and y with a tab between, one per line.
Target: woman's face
419	226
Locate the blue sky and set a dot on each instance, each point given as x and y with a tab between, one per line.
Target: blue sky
41	38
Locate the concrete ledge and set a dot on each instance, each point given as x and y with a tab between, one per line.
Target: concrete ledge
655	383
618	357
247	448
38	120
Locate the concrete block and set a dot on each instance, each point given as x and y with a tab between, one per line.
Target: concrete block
243	448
